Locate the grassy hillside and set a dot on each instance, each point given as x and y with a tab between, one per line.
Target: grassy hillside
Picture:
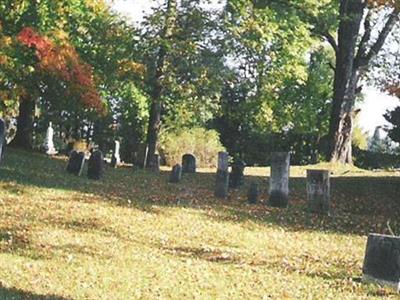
134	236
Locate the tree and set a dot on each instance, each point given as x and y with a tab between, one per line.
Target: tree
353	58
157	84
355	46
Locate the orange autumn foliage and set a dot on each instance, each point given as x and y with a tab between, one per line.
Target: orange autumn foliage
64	62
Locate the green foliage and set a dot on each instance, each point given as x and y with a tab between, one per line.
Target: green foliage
202	143
360	138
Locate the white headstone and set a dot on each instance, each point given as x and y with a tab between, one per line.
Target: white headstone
48	142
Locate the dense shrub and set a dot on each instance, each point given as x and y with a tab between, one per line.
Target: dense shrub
375	160
202	143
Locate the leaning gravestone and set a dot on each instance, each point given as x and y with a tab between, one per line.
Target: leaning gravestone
188	163
318	191
116	158
252	194
382	260
279	182
2	138
95	165
236	178
176	174
222	179
76	162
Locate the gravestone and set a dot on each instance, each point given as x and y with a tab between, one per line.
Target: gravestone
222	178
176	174
116	158
188	163
155	164
318	191
236	178
382	260
279	181
48	142
76	162
2	138
95	165
253	193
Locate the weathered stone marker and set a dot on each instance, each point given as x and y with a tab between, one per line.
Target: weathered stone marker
222	179
318	191
48	144
176	174
382	260
116	158
188	163
253	193
2	138
76	162
95	165
236	178
279	182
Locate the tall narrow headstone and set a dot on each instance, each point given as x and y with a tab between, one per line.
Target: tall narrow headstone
188	163
95	165
176	174
76	162
48	142
318	191
279	182
2	138
382	260
222	179
236	178
253	193
116	158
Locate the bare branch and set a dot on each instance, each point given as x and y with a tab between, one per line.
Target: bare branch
362	46
331	40
377	46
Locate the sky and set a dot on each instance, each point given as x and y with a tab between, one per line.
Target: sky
372	108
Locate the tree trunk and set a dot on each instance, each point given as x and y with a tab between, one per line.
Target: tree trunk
24	135
352	60
157	89
346	81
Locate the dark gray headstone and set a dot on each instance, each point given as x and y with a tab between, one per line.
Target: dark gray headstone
318	191
222	178
2	138
253	193
382	260
176	174
76	162
188	163
95	165
279	182
236	178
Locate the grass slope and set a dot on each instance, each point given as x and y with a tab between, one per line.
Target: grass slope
134	236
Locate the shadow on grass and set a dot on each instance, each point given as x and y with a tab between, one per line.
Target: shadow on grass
17	294
360	204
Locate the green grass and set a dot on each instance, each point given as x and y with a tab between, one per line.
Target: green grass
134	236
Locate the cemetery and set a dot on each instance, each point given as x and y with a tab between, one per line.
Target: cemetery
199	150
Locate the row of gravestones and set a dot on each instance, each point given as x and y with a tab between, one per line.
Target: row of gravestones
318	183
95	169
382	255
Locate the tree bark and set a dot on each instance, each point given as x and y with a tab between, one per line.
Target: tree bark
24	136
350	67
157	89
